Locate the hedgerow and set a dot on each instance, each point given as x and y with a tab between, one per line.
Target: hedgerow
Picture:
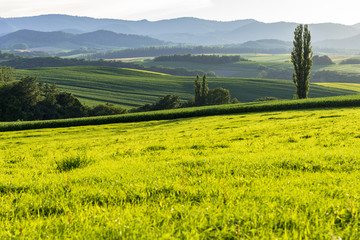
278	105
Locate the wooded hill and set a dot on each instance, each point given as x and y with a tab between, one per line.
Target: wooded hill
64	41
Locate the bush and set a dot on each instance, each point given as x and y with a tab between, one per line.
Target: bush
168	102
234	101
106	109
263	99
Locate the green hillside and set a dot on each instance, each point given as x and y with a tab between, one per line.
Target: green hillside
130	88
276	66
242	69
274	175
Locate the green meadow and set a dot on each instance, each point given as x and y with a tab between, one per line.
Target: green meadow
131	88
269	175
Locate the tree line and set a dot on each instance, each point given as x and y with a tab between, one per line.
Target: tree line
170	50
27	99
205	59
21	62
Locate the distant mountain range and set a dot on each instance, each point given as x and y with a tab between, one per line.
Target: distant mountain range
84	31
61	40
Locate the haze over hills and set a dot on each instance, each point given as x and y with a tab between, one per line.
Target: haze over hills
63	40
347	43
184	30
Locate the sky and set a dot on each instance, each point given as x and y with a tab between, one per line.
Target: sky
305	11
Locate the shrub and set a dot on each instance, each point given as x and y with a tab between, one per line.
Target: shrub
263	99
106	109
168	102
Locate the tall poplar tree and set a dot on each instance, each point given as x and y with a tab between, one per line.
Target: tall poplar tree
301	57
197	90
204	90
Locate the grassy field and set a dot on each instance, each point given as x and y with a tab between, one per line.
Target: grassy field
125	87
242	69
257	63
343	68
270	175
346	86
259	57
131	88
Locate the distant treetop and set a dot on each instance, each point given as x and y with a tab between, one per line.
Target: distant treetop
322	60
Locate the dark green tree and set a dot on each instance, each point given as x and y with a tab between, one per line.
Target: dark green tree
322	60
168	102
197	90
301	57
218	96
70	106
204	91
6	74
106	109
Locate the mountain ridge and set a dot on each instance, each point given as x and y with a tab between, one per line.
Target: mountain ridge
187	30
63	40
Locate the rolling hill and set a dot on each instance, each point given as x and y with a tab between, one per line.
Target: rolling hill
132	88
345	43
179	30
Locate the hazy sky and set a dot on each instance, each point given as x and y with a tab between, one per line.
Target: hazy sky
305	11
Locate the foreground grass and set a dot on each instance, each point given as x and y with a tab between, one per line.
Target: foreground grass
274	175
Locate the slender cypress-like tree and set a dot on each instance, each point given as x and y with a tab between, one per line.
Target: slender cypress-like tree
204	90
197	90
301	57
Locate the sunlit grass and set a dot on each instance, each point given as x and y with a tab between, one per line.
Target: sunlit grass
346	86
269	175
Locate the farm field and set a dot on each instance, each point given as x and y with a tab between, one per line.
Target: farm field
269	175
343	68
347	86
257	64
259	57
132	88
242	69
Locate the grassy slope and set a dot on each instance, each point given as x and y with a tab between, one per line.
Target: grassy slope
279	175
343	68
131	88
239	69
252	69
348	86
